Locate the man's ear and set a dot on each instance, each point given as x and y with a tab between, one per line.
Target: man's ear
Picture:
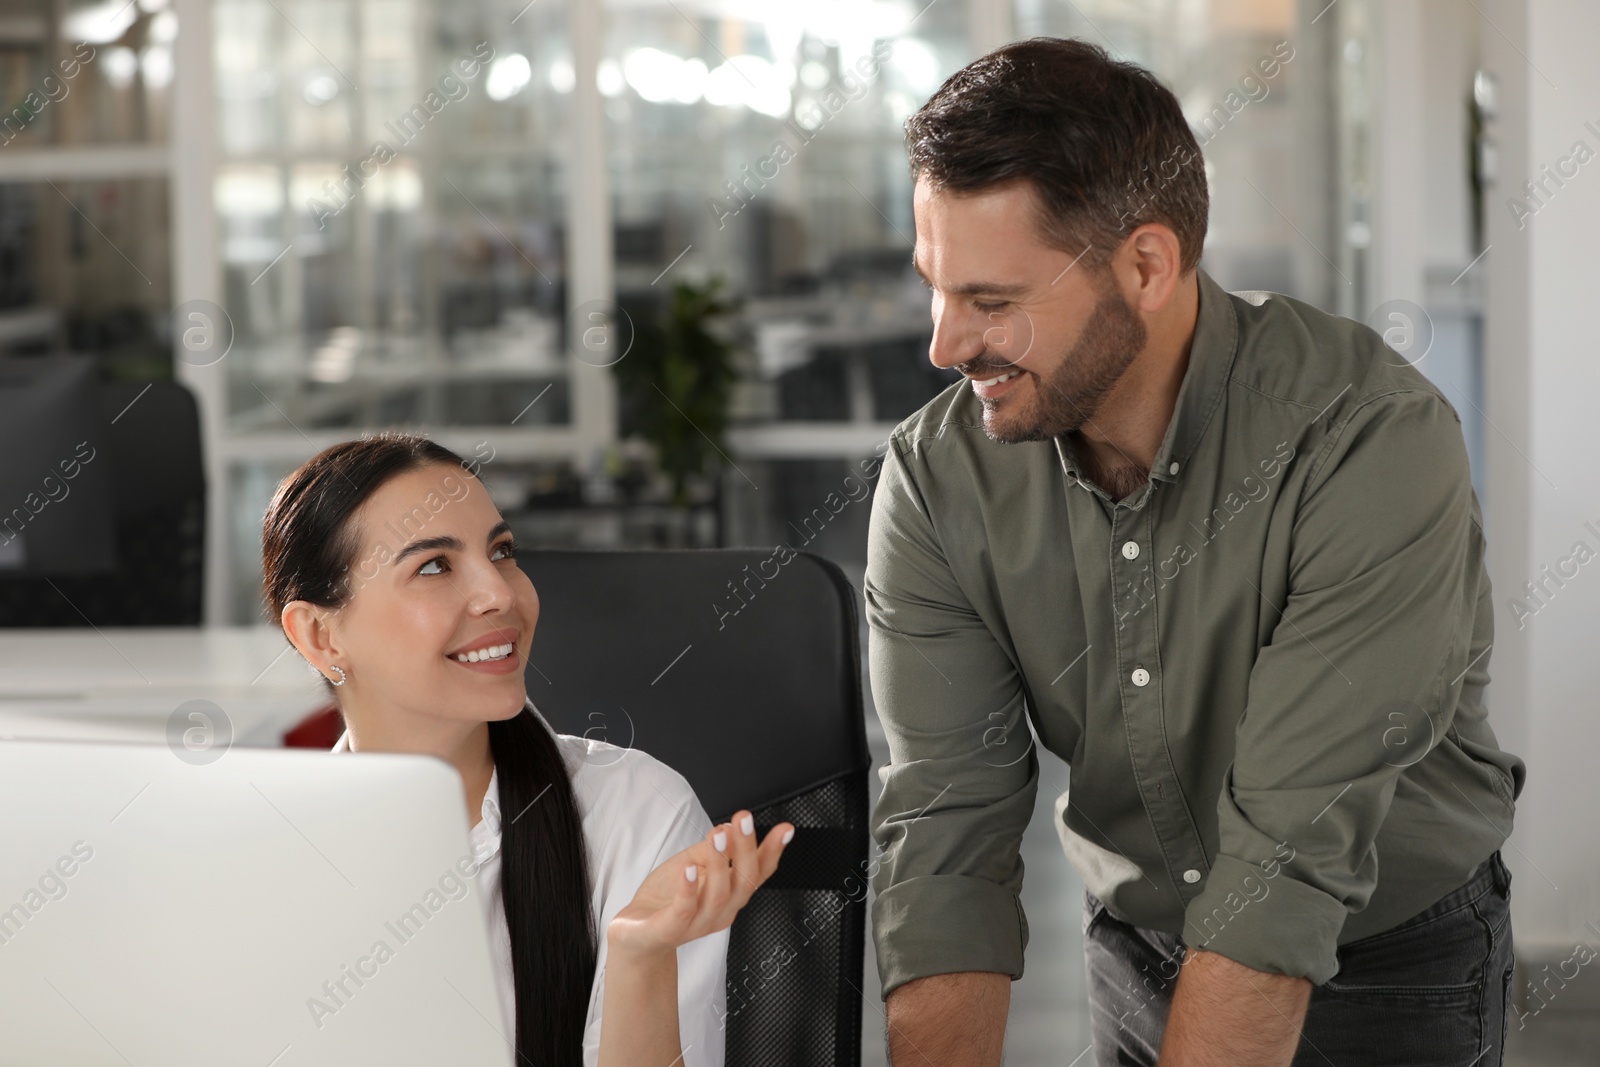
309	629
1154	265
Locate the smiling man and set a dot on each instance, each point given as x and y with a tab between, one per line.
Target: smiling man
1223	553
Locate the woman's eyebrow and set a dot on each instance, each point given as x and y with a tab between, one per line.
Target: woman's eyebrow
428	544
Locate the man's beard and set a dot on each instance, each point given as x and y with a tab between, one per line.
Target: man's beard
1080	381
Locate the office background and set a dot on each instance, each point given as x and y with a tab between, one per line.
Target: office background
499	221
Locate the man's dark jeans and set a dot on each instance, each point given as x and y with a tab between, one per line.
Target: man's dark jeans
1431	992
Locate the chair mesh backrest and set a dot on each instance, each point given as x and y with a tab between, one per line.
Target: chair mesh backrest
798	944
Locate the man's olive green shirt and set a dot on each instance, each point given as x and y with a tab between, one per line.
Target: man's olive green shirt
1265	667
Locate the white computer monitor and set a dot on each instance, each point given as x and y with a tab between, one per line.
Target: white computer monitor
159	910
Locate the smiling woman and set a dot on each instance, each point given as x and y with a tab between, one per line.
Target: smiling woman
429	643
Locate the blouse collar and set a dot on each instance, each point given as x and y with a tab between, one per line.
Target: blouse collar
486	832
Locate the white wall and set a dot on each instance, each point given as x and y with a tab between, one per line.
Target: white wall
1428	50
1400	115
1542	382
1450	54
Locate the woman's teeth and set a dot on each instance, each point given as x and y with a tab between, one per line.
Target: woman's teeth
999	378
478	656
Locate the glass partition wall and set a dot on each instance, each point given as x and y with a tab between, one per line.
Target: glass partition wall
85	90
759	146
390	194
457	217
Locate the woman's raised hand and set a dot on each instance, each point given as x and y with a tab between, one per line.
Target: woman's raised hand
699	890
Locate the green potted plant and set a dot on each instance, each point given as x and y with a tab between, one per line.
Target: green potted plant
676	381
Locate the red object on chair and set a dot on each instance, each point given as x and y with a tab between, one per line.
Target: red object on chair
320	729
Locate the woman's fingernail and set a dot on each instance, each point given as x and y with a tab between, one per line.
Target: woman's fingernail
719	841
788	835
691	872
747	825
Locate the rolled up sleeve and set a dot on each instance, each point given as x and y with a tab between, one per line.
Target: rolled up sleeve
960	783
1372	637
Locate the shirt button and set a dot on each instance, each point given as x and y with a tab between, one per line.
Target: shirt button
1130	550
1140	676
1174	468
1191	876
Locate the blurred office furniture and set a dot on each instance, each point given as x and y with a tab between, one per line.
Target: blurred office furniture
874	376
151	435
29	329
55	501
141	683
622	523
756	699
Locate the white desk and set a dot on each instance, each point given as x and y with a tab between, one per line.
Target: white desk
124	684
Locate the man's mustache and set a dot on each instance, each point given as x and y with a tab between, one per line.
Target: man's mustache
982	368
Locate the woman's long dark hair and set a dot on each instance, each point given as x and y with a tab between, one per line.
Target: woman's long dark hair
307	550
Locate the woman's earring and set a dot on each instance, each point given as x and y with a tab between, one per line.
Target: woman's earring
342	678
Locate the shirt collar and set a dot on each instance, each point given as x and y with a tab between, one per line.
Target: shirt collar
1216	339
486	834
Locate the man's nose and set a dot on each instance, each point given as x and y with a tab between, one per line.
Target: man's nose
957	336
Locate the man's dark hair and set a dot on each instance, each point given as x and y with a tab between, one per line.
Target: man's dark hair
1103	143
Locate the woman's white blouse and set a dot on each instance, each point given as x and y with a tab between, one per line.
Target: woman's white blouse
636	813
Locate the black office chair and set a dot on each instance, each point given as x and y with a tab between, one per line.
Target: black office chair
757	702
159	504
